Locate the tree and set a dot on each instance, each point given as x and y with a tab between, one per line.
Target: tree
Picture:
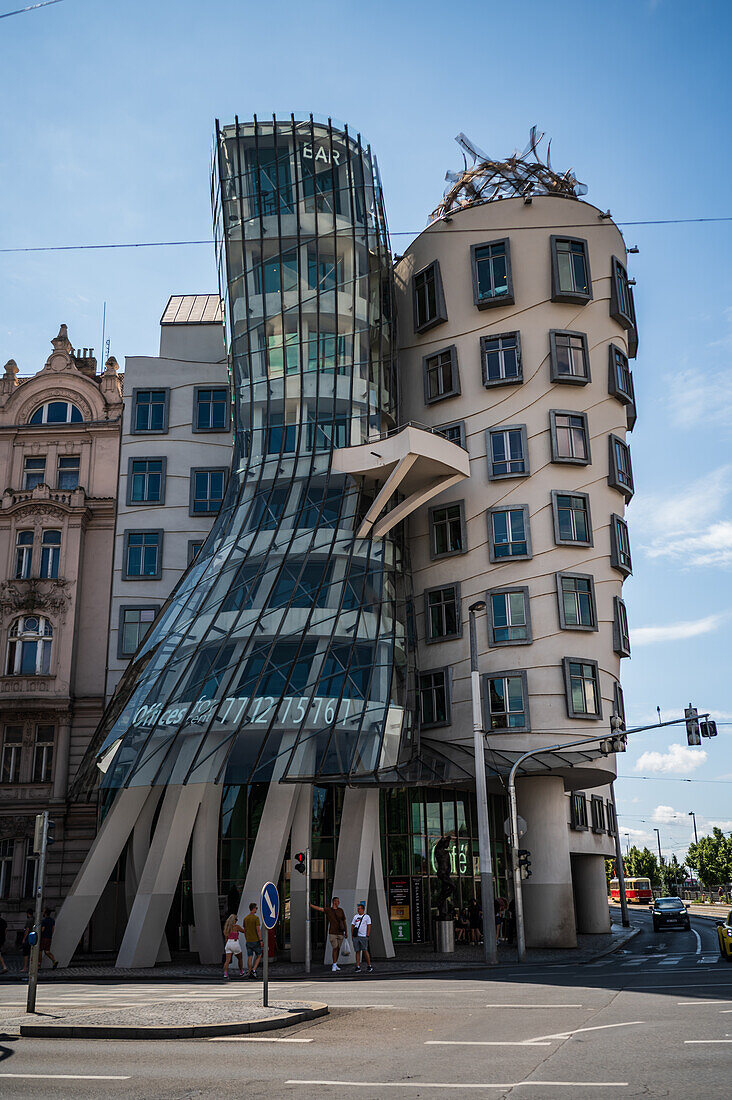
711	858
673	872
641	863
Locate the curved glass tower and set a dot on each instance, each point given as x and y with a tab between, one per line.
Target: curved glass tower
282	652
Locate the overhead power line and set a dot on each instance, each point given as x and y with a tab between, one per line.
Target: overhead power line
31	7
399	233
670	779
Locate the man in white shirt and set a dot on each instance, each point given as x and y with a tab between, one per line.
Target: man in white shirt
360	932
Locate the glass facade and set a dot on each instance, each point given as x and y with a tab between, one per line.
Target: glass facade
282	653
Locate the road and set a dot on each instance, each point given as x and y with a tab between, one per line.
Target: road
654	1021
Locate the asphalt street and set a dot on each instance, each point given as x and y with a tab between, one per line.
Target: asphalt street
654	1020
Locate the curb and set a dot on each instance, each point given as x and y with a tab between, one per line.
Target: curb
614	946
315	1010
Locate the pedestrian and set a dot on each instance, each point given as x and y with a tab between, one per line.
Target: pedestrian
476	922
25	941
720	893
47	926
232	947
360	932
337	928
509	922
3	933
253	937
498	906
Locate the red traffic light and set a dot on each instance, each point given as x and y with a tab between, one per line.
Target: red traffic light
300	862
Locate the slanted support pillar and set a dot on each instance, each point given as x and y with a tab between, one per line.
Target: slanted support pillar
207	930
590	893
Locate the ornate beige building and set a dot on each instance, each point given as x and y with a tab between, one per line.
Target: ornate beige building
59	457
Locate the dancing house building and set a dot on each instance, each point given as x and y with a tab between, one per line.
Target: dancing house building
306	682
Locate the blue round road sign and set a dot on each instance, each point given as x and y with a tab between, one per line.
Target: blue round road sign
270	907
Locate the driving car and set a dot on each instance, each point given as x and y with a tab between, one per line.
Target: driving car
667	911
724	931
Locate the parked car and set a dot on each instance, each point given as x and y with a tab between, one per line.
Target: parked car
724	931
667	911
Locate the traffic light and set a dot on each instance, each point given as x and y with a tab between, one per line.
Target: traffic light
708	728
300	862
610	745
693	735
524	861
51	832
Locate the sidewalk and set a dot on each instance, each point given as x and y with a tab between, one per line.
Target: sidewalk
410	959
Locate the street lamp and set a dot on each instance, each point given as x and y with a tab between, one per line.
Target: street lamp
627	843
693	815
490	949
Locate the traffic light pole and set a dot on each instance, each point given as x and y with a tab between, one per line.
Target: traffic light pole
513	814
619	864
490	950
35	955
307	911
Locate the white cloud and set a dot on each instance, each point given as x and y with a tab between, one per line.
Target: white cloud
687	526
674	632
677	758
667	815
698	396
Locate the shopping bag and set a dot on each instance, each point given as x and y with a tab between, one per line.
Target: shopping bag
345	948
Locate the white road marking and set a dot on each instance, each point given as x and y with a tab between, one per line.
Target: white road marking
532	1006
457	1085
698	942
688	1004
68	1076
698	1042
670	962
578	1030
254	1039
482	1043
333	1004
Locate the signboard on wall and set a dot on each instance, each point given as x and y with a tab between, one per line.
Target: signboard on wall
417	911
399	910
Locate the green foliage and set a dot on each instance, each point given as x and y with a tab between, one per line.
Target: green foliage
641	863
711	858
673	872
610	871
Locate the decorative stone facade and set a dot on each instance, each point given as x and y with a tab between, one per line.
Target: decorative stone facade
59	448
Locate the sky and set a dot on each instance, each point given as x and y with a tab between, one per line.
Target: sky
105	137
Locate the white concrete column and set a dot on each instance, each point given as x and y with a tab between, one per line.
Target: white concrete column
358	871
81	901
548	898
301	838
159	879
271	842
207	931
590	893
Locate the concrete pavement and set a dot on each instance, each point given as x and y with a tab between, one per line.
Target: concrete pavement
653	1021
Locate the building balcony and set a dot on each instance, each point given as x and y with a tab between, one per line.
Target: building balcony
43	494
414	462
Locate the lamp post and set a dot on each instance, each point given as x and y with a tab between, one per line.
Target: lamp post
627	843
658	838
693	816
490	949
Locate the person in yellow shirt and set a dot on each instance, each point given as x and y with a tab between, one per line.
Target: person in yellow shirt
253	937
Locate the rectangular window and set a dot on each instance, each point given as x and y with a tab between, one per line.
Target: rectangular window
572	523
501	359
30	872
441	377
34	472
67	474
207	491
509	618
619	703
621	471
429	300
143	554
325	434
447	530
442	613
268	508
577	607
7	850
146	481
302	584
43	754
492	281
277	273
283	353
326	352
582	687
620	546
455	433
610	818
325	272
434	698
281	437
23	555
506	700
134	623
621	634
571	280
194	545
622	306
509	535
240	596
570	357
150	411
322	507
578	805
570	437
211	410
346	671
12	750
508	452
620	379
50	554
598	814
